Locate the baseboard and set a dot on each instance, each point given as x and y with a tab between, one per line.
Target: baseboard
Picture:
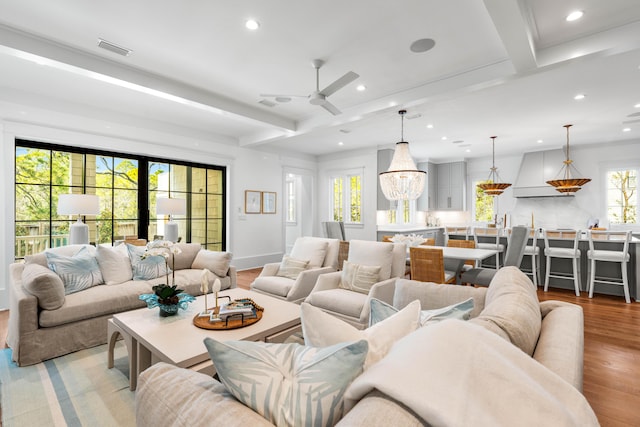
247	263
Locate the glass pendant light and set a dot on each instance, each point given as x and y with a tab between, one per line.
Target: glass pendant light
494	187
403	180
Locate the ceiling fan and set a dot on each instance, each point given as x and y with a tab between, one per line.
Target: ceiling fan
319	97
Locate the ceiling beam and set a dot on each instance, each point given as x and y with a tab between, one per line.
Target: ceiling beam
514	28
37	49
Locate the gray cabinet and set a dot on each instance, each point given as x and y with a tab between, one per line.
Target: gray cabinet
427	200
451	182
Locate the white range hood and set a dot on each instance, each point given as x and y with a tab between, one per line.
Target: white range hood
535	170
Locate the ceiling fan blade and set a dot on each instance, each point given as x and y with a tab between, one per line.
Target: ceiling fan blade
340	83
275	95
331	108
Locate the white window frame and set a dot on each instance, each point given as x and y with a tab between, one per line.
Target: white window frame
620	167
291	202
346	176
474	184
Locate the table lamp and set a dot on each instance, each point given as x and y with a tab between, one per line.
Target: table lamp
78	204
169	206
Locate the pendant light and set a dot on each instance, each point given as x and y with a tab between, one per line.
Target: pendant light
494	187
567	184
403	180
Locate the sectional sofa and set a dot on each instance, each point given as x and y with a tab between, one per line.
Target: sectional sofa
515	362
44	322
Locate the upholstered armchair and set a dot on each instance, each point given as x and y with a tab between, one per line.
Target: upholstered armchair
370	271
294	278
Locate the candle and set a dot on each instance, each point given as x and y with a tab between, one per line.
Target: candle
532	223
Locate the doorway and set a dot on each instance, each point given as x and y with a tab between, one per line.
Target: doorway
298	205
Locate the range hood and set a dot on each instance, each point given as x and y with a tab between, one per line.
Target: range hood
535	170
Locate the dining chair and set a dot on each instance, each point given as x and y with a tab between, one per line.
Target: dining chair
489	238
334	230
562	244
470	244
429	241
513	257
613	254
427	265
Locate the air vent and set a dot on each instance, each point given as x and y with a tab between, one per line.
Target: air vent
267	103
114	48
413	116
345	131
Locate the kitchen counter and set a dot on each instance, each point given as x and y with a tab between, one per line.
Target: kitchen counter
426	232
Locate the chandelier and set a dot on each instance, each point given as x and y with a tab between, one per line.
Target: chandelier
403	180
567	184
494	187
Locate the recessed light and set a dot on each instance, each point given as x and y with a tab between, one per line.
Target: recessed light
626	130
361	88
444	138
341	143
575	15
393	104
252	24
579	96
636	106
429	126
539	141
467	150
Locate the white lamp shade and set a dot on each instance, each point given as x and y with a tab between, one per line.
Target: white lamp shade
78	204
403	180
168	206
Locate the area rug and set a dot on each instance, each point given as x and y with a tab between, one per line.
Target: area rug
73	390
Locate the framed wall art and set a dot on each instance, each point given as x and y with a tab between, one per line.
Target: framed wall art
252	201
268	202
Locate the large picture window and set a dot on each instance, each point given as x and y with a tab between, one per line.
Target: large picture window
127	186
483	203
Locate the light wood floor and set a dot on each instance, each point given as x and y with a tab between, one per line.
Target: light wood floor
611	354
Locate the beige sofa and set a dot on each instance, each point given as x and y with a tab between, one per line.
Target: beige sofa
44	323
453	370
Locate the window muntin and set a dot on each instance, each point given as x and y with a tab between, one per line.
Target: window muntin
291	201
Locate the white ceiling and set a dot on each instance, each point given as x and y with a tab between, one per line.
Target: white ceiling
499	67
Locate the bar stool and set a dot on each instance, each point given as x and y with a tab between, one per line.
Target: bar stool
621	257
456	231
562	251
533	251
494	243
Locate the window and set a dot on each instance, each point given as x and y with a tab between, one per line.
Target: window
291	200
622	198
483	203
346	197
127	186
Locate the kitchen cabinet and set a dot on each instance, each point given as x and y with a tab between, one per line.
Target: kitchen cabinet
427	200
451	181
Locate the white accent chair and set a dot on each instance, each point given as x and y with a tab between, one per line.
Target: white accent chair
322	255
354	307
556	246
594	254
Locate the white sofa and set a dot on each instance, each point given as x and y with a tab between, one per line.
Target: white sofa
516	359
44	323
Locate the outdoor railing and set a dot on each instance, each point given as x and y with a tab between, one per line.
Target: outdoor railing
30	245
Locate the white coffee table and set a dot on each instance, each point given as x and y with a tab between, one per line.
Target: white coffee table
176	340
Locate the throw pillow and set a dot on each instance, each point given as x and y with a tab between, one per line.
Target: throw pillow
216	262
380	311
311	248
45	285
359	278
321	329
288	384
77	272
114	264
146	267
291	267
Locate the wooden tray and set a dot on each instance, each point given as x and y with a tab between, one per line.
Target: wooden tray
204	323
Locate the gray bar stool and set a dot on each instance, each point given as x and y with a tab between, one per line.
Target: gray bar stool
609	255
554	248
532	251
